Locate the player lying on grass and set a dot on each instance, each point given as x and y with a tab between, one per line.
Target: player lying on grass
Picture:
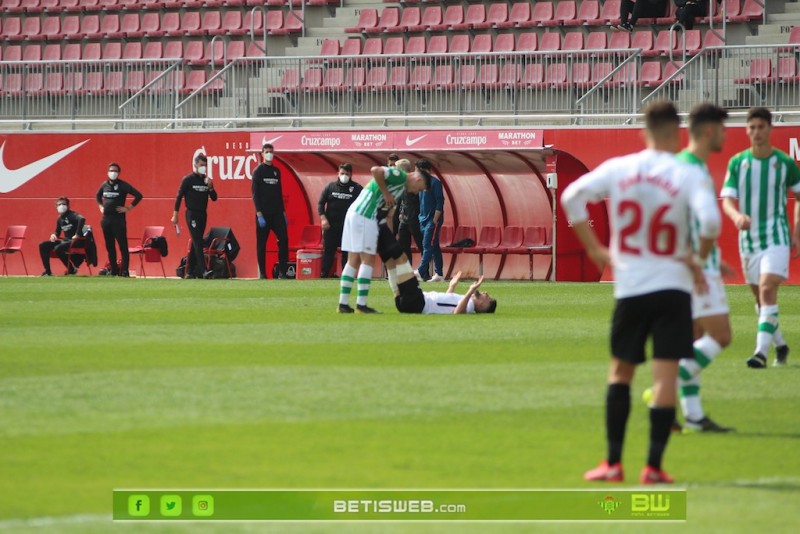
409	298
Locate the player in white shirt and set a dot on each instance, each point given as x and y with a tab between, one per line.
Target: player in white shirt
754	198
409	298
651	198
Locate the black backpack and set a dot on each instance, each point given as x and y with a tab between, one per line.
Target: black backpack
160	243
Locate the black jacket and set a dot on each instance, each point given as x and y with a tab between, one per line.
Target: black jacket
70	223
194	189
335	199
113	194
267	189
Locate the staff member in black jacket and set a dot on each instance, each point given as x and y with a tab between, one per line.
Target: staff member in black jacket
196	188
332	207
270	213
111	199
71	224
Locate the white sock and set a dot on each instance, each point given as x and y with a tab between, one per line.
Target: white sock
364	279
767	324
346	284
705	350
777	337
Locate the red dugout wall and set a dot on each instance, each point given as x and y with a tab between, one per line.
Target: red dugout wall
491	177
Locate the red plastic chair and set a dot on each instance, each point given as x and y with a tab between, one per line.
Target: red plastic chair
588	13
366	20
15	235
520	13
565	11
476	15
310	238
146	252
453	15
77	247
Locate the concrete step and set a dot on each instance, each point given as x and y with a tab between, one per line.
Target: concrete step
780	38
774	29
783	18
792	7
327	33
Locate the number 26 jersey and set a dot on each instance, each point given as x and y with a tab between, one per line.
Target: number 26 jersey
651	200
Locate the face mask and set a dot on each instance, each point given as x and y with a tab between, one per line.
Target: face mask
62	208
268	157
343	179
112	175
201	170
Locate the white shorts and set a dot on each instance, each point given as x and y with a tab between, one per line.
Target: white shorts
360	234
715	302
774	260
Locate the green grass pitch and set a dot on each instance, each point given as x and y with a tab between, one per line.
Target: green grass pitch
114	383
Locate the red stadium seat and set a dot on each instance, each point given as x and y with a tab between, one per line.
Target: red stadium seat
693	42
394	46
556	75
453	15
443	77
51	29
476	14
173	49
72	52
760	72
211	24
12	29
588	13
356	78
504	42
232	23
367	19
787	70
12	53
92	52
609	14
71	27
416	46
398	78
497	14
32	52
330	48
542	13
132	50
481	43
626	76
252	21
670	69
665	41
236	50
377	79
390	18
31	28
651	74
579	76
619	41
551	41
373	46
153	50
420	78
527	42
11	85
333	79
312	79
112	50
171	24
520	13
489	76
459	44
134	82
54	83
190	22
438	45
460	234
110	27
432	16
351	47
510	76
114	84
565	11
90	27
597	41
130	26
573	41
151	25
642	39
195	53
290	81
465	77
411	18
752	10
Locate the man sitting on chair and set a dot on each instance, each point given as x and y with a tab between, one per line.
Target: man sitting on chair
70	224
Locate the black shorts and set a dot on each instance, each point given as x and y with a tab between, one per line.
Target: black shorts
666	316
410	299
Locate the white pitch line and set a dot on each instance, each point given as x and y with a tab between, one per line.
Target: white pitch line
35	522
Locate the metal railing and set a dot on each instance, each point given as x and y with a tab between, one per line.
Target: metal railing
587	87
736	77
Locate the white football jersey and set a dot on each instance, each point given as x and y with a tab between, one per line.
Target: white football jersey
651	198
444	303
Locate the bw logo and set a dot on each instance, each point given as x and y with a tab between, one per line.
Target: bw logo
609	504
652	502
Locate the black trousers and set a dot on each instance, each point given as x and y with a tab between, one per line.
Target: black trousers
45	247
331	240
196	261
404	234
641	9
115	229
275	223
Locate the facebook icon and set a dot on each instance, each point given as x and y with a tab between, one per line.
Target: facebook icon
138	505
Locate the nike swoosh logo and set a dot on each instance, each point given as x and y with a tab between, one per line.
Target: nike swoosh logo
412	142
12	179
265	141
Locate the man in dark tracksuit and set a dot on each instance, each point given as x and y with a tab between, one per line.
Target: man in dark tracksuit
196	188
270	213
70	224
332	207
431	214
111	199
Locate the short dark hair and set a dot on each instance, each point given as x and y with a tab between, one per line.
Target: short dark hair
267	146
346	166
393	156
705	113
492	306
63	199
114	164
423	164
760	113
200	157
660	114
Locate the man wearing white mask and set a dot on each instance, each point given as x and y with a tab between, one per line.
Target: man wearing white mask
70	224
332	207
270	213
111	199
197	188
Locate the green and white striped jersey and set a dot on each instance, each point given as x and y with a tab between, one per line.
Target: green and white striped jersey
713	260
371	199
760	186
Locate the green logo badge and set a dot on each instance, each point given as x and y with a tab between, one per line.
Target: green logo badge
171	505
138	505
609	504
203	505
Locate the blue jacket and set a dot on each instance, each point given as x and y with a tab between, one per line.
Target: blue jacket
430	201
